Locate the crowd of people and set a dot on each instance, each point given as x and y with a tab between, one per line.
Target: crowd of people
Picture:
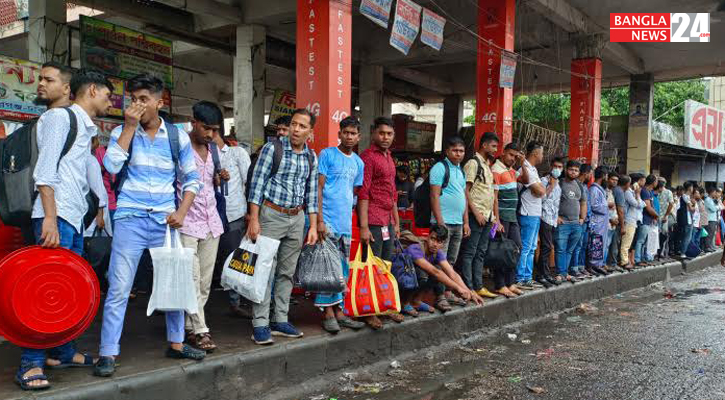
584	221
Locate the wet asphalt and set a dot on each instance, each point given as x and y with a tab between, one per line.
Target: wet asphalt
665	341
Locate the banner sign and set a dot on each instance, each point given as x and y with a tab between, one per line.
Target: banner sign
405	26
18	88
659	27
377	11
283	104
432	29
704	127
123	52
508	71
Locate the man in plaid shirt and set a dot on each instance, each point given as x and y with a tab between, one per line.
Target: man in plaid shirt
277	204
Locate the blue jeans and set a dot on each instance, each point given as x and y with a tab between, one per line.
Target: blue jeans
71	240
640	243
529	233
579	254
567	239
131	237
685	237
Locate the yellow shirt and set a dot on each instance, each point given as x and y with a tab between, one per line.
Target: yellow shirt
481	194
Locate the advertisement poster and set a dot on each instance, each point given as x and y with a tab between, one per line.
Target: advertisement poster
508	71
123	52
18	88
283	104
704	127
406	25
420	137
432	27
377	11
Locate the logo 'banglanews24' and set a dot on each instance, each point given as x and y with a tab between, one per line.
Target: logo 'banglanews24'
659	27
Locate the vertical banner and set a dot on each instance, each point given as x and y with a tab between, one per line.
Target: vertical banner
324	64
494	104
377	11
508	71
586	86
405	26
432	28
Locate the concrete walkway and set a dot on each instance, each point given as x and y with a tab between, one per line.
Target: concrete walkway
241	370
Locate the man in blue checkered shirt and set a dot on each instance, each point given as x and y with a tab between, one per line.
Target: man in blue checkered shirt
277	204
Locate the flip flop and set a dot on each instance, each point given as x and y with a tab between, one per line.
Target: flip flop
87	362
424	307
410	310
24	382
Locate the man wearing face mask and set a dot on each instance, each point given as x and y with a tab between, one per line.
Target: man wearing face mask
549	216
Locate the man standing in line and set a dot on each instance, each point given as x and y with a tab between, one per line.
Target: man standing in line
632	216
612	250
341	174
598	223
142	154
62	184
504	210
713	219
203	224
549	217
277	204
578	257
667	211
649	218
480	199
572	211
530	213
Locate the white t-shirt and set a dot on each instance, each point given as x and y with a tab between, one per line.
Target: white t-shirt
530	205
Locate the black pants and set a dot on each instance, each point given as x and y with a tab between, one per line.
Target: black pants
711	229
228	242
546	237
472	257
503	276
382	249
613	253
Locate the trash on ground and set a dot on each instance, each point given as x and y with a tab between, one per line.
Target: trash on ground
371	388
536	389
701	351
444	363
395	364
512	336
319	397
586	308
526	341
453	385
545	353
626	314
574	319
515	379
398	373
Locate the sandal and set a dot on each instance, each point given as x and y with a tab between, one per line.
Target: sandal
506	292
424	307
456	300
203	342
397	317
87	362
442	304
374	322
24	382
410	310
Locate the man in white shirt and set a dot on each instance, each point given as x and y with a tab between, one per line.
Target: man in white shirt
530	214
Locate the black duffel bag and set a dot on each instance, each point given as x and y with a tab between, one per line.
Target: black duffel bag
503	253
97	251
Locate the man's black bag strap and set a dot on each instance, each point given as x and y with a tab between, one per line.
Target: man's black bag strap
72	133
279	152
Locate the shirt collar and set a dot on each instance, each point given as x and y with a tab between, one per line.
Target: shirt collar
162	127
451	164
379	149
287	145
85	118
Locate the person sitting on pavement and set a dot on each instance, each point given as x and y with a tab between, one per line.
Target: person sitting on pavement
435	273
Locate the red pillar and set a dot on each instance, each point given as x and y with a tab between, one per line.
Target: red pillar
324	39
494	104
586	92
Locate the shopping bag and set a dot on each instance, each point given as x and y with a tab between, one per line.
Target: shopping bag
97	251
373	289
173	287
319	268
403	269
248	269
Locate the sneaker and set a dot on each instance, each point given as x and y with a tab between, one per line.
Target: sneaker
331	325
486	293
186	352
285	329
525	285
350	323
534	284
553	281
261	335
105	367
543	282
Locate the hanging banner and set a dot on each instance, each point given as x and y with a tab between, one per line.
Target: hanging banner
432	29
508	71
123	52
704	127
406	25
18	88
377	11
283	104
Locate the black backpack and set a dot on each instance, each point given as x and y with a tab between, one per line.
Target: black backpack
18	156
421	199
276	160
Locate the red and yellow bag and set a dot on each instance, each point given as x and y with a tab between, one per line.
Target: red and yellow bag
373	288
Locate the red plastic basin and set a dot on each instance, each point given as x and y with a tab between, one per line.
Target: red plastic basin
49	297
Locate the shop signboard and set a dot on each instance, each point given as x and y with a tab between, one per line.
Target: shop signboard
18	88
704	127
377	11
432	29
123	52
508	71
283	104
405	26
420	137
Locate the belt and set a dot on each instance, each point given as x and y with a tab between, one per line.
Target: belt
287	211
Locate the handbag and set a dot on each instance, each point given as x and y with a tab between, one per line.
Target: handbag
403	268
248	269
503	252
173	288
97	251
373	288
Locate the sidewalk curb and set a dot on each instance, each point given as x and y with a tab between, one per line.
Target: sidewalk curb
255	374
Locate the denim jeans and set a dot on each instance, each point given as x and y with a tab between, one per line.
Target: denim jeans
71	240
567	239
452	245
529	233
579	254
640	242
685	238
473	253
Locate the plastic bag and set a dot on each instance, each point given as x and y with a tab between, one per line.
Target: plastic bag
173	288
319	268
248	269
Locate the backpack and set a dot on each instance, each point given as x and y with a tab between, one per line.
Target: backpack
18	156
223	190
276	160
421	199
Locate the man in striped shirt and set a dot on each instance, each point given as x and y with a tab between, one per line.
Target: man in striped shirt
140	153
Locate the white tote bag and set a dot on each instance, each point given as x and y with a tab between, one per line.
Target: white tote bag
174	288
248	269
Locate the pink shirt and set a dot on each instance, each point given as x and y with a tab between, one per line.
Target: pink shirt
108	178
203	217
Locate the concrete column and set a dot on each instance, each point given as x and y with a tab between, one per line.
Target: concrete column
372	102
452	116
586	91
639	134
47	32
249	86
